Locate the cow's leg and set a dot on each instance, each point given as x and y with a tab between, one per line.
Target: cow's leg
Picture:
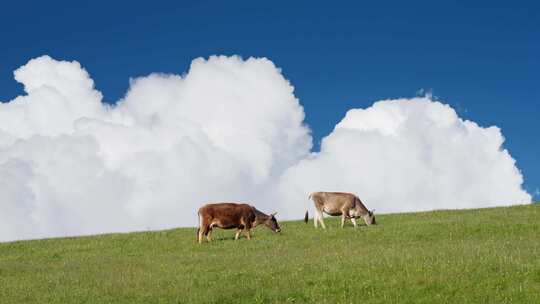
320	214
321	220
238	232
209	234
199	230
200	234
319	207
344	213
247	229
353	220
316	219
203	231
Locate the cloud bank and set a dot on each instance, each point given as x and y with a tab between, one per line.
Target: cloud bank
228	130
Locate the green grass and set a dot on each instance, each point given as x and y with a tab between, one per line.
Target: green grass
468	256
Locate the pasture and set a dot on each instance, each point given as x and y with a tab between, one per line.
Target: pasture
466	256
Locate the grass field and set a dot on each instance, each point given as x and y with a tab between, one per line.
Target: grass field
468	256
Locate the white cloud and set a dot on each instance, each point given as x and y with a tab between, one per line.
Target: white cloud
72	165
409	155
230	129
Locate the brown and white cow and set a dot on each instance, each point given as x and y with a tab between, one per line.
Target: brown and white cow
347	205
243	217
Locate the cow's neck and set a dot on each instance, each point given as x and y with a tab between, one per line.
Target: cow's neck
259	217
360	208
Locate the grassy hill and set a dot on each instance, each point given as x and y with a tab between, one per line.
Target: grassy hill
467	256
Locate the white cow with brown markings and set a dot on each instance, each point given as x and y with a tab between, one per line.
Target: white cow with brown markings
348	205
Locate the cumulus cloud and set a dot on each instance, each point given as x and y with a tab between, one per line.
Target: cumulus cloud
410	155
71	165
228	130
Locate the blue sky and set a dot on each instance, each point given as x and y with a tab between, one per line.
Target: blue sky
483	59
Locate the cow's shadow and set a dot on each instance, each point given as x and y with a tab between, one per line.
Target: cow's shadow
231	238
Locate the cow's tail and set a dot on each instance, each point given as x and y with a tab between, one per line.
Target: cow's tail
306	217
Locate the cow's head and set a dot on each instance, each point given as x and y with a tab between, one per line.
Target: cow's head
272	223
369	218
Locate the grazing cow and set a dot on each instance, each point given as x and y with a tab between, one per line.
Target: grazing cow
243	217
347	205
